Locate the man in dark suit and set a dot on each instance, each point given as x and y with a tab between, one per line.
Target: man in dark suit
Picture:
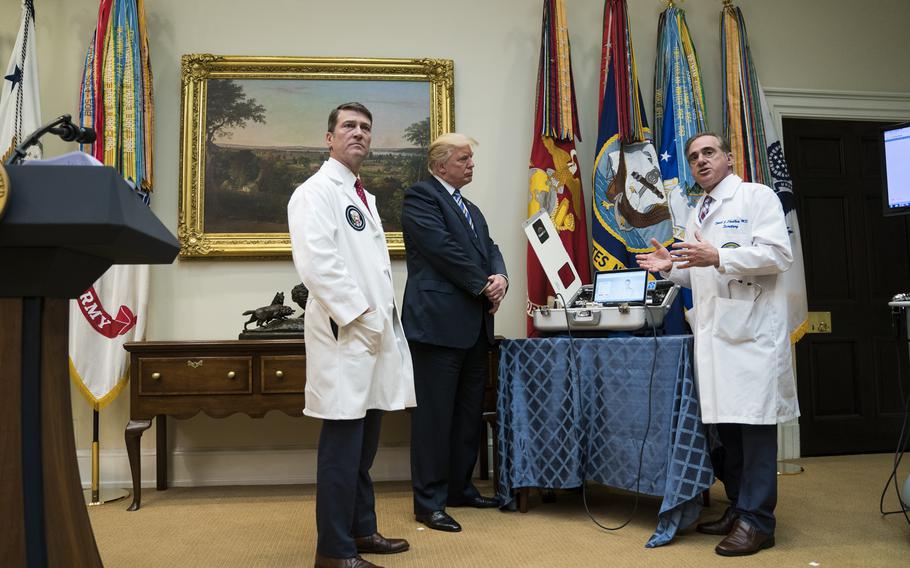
456	282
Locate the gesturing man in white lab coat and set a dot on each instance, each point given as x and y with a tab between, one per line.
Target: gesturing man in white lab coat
736	247
357	358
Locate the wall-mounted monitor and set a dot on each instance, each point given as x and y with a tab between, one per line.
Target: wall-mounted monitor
896	169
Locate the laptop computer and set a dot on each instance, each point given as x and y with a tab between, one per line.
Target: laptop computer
627	286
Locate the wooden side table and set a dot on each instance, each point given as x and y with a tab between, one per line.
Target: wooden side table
220	378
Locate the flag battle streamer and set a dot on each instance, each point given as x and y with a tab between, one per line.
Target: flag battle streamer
758	154
553	175
115	100
679	114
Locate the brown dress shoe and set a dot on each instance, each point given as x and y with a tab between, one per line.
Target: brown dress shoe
378	544
355	562
743	540
721	526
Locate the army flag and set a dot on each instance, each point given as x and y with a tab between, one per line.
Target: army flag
20	105
757	151
629	201
554	180
116	101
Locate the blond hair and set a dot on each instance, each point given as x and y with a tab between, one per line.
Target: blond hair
441	148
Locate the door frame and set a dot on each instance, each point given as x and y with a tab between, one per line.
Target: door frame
837	105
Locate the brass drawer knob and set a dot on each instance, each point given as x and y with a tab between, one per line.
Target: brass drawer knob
156	376
231	374
279	374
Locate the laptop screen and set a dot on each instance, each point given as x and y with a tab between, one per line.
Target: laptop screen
620	286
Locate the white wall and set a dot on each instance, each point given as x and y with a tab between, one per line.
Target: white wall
809	44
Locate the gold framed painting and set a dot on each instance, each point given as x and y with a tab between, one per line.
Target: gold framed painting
253	129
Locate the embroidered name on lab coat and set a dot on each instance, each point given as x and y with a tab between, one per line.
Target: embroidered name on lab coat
732	223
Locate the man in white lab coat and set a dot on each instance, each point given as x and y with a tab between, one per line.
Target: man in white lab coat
736	247
358	363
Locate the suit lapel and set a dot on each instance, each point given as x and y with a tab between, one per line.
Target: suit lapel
450	201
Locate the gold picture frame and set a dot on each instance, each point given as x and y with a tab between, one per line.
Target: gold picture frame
240	155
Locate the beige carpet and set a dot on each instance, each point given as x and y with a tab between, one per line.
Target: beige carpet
827	517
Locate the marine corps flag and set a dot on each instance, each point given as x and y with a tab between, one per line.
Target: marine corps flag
554	182
757	152
630	202
20	106
116	101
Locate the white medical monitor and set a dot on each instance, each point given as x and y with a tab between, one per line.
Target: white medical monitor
628	286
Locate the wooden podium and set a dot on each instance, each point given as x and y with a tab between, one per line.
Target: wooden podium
63	228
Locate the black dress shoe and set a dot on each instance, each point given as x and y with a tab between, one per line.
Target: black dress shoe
378	544
479	502
744	539
355	562
721	526
439	521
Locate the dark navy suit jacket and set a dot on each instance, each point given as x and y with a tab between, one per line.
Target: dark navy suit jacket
448	266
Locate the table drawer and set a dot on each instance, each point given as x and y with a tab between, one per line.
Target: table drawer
195	375
283	373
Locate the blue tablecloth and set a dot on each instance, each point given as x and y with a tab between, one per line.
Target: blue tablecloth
559	427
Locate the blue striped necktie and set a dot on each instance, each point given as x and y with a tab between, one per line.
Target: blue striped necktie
464	208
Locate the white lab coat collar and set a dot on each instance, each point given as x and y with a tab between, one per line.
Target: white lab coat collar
340	172
343	176
722	191
726	188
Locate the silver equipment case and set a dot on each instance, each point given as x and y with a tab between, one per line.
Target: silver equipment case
584	315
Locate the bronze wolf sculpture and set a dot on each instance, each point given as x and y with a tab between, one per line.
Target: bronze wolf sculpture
276	311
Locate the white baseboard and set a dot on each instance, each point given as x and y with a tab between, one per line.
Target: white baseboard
282	466
246	466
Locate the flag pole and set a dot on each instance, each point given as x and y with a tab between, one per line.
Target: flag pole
95	495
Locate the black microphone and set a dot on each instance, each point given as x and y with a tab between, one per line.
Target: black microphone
63	127
69	132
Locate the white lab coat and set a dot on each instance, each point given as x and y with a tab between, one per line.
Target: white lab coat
742	345
340	253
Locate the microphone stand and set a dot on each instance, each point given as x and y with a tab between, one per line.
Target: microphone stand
63	127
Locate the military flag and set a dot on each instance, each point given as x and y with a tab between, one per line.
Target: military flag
679	113
757	151
554	180
629	202
115	101
20	105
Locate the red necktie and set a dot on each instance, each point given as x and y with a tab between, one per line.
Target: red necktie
358	186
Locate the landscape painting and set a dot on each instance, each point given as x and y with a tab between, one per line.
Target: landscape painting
259	132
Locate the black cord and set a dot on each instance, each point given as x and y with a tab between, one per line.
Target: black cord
641	453
902	440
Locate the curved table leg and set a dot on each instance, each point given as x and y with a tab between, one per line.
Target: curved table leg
132	436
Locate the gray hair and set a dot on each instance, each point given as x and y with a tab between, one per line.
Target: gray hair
441	148
724	143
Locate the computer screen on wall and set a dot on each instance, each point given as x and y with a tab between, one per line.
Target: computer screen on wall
896	169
